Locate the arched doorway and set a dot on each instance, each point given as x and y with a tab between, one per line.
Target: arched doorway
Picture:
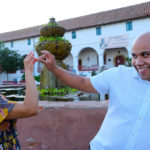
87	61
114	57
119	60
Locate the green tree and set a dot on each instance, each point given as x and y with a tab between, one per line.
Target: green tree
20	61
10	60
128	62
1	45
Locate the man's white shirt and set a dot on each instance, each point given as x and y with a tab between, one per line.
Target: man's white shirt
127	123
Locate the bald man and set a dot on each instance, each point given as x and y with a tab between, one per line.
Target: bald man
127	123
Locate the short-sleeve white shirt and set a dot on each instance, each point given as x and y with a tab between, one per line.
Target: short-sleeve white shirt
127	122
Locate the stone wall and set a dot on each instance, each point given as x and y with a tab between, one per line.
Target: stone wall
60	128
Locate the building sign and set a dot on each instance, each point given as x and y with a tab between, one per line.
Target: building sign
114	41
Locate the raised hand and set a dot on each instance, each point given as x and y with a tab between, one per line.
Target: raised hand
29	62
29	107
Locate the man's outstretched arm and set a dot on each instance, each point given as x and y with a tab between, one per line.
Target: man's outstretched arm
70	79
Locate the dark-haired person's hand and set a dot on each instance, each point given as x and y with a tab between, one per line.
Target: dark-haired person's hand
29	62
29	107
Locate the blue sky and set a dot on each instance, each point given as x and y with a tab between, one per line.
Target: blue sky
19	14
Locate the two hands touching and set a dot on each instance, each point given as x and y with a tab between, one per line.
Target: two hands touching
66	77
46	58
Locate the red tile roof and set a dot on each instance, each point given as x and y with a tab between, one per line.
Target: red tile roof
98	19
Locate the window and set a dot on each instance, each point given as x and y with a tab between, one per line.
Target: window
29	41
128	26
11	44
73	35
98	31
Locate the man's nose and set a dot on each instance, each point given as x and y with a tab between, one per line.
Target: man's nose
139	61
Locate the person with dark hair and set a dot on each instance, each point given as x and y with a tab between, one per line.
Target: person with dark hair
10	111
127	122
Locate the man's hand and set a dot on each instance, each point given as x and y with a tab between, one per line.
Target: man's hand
74	81
48	59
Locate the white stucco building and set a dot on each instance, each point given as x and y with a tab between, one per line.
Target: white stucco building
100	39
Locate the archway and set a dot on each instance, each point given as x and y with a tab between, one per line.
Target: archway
115	56
119	60
87	61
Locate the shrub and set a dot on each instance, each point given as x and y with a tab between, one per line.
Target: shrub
37	78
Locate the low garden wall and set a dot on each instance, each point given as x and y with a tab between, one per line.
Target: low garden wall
62	127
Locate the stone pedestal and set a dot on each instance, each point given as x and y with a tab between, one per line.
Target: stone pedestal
49	80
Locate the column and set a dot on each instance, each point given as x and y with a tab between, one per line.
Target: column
129	49
75	64
101	64
101	60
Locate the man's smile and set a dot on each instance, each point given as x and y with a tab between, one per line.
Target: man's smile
143	70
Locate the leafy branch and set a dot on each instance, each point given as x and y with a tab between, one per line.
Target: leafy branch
52	38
